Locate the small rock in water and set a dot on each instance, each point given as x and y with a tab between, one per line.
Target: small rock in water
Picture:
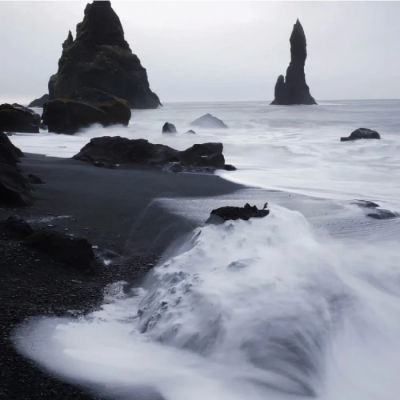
382	214
169	128
361	133
191	132
220	215
209	121
365	204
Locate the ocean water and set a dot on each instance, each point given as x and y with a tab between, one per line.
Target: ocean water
302	304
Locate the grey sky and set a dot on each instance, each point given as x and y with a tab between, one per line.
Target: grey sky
215	51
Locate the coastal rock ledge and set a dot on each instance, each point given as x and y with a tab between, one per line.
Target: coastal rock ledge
111	151
101	58
294	89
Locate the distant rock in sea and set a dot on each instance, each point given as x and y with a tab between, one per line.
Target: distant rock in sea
169	128
294	89
361	133
39	102
100	58
220	215
17	118
209	121
82	108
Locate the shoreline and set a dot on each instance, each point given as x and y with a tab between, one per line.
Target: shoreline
117	211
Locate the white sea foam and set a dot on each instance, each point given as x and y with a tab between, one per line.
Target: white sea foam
260	309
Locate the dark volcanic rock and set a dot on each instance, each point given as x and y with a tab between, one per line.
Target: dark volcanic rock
35	180
16	118
220	215
365	204
209	121
117	150
75	252
229	167
380	213
13	188
15	227
361	133
294	90
191	132
83	108
39	102
99	57
169	128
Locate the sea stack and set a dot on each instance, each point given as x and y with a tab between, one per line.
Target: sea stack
294	89
101	58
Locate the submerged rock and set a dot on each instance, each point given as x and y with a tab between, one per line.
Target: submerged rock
220	215
209	121
118	150
100	58
39	102
83	108
361	133
169	128
365	204
380	213
13	188
191	132
294	89
16	118
75	252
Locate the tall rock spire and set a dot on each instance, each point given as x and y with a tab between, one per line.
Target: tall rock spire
294	89
101	58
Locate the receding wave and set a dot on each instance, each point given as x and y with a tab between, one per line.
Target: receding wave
256	309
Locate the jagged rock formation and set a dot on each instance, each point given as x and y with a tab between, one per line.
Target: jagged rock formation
13	186
100	58
82	108
40	101
361	133
108	151
294	89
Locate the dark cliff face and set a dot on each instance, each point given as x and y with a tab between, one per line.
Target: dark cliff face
101	58
294	89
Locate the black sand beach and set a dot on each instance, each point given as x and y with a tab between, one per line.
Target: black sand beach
115	210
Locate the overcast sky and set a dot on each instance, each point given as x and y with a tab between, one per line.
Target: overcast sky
216	51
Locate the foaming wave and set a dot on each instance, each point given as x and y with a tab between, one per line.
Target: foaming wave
249	309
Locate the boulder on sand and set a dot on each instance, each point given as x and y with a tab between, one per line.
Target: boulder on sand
15	227
361	133
100	58
83	108
220	215
13	188
16	118
209	121
169	128
39	102
294	90
75	252
117	150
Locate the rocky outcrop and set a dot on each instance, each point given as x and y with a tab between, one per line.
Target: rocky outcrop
35	180
15	227
16	118
209	121
294	89
105	151
39	102
361	133
75	252
100	58
83	108
169	128
220	215
13	188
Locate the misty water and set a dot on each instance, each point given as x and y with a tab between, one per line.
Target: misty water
303	303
